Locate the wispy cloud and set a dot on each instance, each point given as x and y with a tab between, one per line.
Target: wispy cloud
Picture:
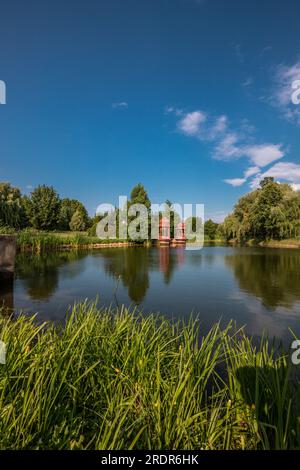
252	170
120	104
281	97
237	48
191	123
263	155
248	82
265	50
282	171
235	181
173	109
228	144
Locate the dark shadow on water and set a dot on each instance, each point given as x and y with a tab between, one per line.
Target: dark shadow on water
6	294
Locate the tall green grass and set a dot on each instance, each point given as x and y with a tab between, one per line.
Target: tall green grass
36	241
112	379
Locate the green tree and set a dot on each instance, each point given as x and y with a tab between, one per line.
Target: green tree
12	212
271	211
78	223
210	229
67	209
42	208
267	214
139	195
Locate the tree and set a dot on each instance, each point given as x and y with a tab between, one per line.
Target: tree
210	229
66	211
267	209
139	195
77	223
12	213
42	208
271	211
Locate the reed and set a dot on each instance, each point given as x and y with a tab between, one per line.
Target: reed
36	241
113	379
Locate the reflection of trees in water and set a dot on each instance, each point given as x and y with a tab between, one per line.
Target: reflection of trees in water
39	273
132	267
273	277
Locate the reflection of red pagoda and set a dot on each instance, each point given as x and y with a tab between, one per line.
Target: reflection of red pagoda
164	260
164	232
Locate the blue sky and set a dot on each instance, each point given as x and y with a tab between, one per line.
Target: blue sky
190	97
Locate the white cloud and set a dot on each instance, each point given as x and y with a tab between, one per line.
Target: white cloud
282	93
121	104
263	155
252	170
228	144
284	171
228	147
235	181
219	127
191	122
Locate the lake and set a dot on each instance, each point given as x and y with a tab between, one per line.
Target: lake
258	287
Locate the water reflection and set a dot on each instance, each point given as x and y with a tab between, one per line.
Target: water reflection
257	287
273	277
40	273
133	267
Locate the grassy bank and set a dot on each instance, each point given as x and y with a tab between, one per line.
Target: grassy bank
116	380
288	243
285	243
45	241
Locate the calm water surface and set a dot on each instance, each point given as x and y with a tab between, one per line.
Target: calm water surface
255	286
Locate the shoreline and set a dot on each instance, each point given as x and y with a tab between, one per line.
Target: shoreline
69	247
287	244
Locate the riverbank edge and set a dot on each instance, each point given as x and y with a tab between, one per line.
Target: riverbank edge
69	247
97	246
290	243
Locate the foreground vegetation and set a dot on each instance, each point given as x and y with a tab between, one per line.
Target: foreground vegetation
117	380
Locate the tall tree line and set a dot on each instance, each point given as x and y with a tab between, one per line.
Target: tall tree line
43	209
270	212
